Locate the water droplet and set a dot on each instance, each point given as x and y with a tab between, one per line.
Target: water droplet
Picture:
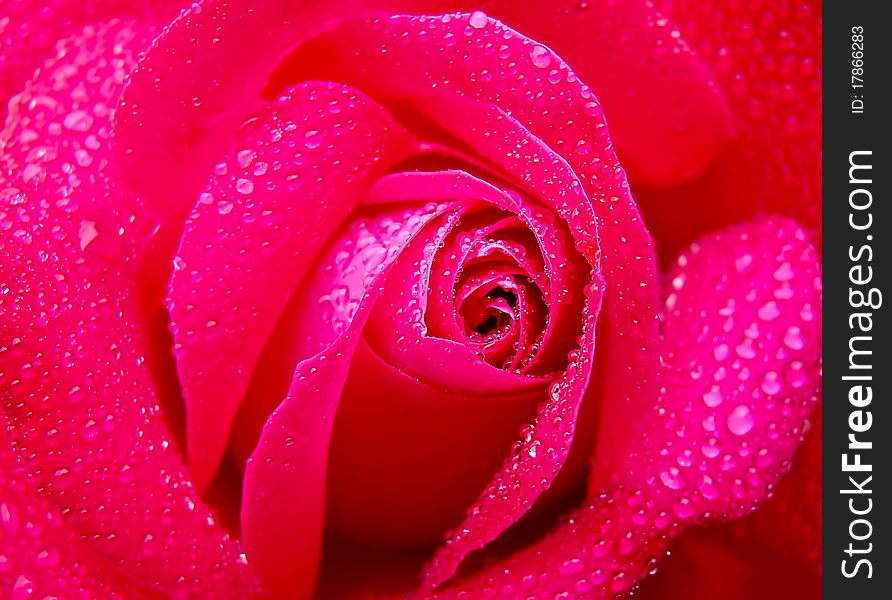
9	518
683	508
47	558
593	109
244	186
769	311
477	20
311	139
745	349
22	588
713	397
78	120
572	567
771	384
708	489
87	233
740	421
672	478
540	56
246	157
710	450
784	272
793	338
796	375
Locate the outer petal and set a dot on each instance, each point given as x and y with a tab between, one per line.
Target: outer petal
253	236
79	401
774	553
665	110
739	383
767	58
29	29
39	556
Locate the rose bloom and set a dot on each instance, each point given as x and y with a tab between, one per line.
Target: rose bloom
422	298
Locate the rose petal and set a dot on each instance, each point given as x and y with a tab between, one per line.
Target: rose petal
324	306
773	553
395	332
767	59
284	499
721	433
706	563
665	110
30	28
417	353
38	554
78	398
194	89
456	67
407	459
253	235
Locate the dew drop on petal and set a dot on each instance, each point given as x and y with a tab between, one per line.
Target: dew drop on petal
796	375
244	186
78	120
245	158
477	20
540	56
572	567
771	384
769	311
87	233
713	397
793	338
740	421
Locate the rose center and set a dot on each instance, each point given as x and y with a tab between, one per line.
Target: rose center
497	314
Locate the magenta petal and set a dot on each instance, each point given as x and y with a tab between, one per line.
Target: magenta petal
77	396
767	60
665	109
196	86
29	30
285	478
741	350
520	122
39	556
411	347
548	115
742	366
254	234
396	331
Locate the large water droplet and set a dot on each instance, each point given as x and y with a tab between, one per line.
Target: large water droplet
87	233
478	20
769	311
540	56
78	120
244	186
740	421
793	338
713	397
771	384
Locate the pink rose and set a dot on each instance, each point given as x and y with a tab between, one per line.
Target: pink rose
332	298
